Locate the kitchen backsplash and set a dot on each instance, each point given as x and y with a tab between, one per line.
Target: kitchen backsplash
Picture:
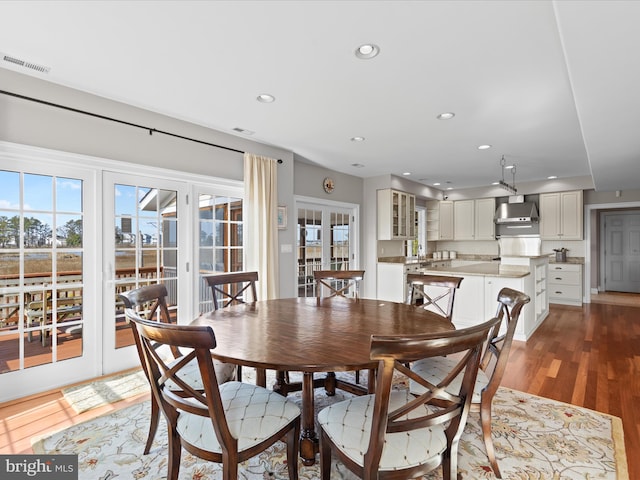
575	248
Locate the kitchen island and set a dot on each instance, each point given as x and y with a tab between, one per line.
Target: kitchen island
476	299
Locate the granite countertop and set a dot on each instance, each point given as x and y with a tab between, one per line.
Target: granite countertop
571	260
491	269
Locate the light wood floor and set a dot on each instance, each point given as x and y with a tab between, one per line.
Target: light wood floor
588	356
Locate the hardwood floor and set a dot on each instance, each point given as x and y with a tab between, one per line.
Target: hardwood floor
588	356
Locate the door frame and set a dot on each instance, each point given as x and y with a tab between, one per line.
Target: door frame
603	243
118	359
354	243
592	236
51	375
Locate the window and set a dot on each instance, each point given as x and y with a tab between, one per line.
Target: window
41	269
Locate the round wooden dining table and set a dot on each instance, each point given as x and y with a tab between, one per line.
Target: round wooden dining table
311	335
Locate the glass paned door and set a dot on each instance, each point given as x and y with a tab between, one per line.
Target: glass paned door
220	245
42	277
324	242
145	229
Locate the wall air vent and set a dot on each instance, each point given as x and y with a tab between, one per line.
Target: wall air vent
24	63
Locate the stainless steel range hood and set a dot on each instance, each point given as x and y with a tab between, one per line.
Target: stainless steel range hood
517	212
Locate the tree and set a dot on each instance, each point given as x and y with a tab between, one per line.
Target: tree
72	233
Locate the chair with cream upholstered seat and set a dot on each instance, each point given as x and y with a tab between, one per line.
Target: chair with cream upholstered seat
391	435
227	423
150	302
492	366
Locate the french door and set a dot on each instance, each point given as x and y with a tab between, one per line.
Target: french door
47	256
325	240
145	223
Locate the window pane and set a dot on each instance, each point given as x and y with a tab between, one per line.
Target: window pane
206	233
10	194
37	231
38	192
125	200
9	229
10	265
69	230
68	195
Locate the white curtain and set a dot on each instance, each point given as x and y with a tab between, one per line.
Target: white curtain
260	211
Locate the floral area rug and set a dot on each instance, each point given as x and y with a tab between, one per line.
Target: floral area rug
108	390
535	439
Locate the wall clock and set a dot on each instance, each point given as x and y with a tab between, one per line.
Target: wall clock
328	185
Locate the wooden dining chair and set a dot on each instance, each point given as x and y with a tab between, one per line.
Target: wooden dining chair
338	283
233	288
492	366
225	423
150	302
433	292
391	434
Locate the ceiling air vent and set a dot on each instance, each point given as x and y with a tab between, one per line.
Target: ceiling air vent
243	131
25	64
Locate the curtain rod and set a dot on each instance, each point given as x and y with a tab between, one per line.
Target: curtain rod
123	122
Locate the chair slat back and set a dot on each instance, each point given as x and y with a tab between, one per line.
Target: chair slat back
496	354
230	288
338	283
437	292
150	302
445	405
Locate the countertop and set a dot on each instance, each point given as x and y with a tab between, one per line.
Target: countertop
491	269
570	260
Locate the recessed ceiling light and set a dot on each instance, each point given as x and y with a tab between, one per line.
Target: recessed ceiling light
357	139
552	177
495	183
436	184
484	147
406	174
446	116
367	51
266	98
449	188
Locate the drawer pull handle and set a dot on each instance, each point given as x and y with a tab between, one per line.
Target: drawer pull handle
558	278
558	292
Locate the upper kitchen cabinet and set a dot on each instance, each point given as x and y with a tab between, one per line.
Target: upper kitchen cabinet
396	215
473	219
561	215
439	220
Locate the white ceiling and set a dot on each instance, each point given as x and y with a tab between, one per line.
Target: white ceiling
552	85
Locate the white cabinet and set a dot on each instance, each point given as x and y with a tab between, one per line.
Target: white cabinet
439	220
473	219
463	219
561	215
564	283
396	215
485	210
390	282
